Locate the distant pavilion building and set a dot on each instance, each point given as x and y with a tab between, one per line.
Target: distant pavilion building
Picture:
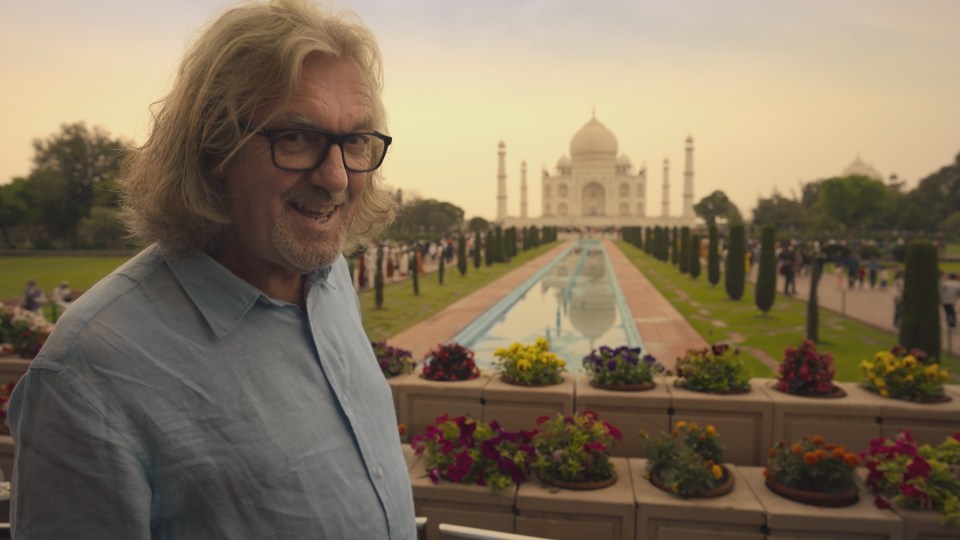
595	187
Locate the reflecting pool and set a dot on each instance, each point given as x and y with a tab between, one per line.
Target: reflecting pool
575	302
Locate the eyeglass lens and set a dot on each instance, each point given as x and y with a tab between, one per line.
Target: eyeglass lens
303	149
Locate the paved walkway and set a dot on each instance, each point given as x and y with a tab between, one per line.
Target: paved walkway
665	333
871	306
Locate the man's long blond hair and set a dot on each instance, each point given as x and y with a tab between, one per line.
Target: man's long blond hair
249	57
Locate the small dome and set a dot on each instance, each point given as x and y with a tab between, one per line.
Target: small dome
859	168
593	139
564	161
623	160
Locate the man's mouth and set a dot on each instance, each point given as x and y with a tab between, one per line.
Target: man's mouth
314	211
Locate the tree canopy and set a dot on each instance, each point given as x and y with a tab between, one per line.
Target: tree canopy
717	205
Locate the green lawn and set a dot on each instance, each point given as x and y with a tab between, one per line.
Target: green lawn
81	272
719	319
401	309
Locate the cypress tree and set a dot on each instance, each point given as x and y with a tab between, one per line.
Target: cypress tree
476	249
767	273
526	239
695	256
378	280
462	255
674	246
684	261
813	311
920	307
713	256
498	244
488	249
415	271
440	269
734	278
534	236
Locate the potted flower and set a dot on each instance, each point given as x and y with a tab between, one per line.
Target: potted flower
717	369
622	368
462	450
813	472
688	462
907	375
917	477
529	365
807	372
450	362
393	361
25	330
573	451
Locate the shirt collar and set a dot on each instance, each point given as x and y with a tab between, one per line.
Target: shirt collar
221	297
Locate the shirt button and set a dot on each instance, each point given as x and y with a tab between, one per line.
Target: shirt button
379	472
346	401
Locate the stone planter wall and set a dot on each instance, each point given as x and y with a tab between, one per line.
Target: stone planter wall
632	412
562	514
851	420
744	421
420	401
789	519
929	423
660	515
518	407
12	367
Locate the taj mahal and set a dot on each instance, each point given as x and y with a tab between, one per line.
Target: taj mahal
595	187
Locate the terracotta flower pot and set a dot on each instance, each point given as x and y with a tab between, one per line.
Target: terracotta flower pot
835	394
814	498
639	387
725	486
583	486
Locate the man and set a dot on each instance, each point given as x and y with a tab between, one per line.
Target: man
220	384
949	294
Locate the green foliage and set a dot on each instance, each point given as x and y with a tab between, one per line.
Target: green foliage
477	244
488	249
695	256
674	246
393	361
902	374
687	461
853	203
440	264
623	365
462	255
920	315
767	272
418	218
717	369
529	365
415	273
478	224
813	465
498	255
684	262
464	451
574	448
713	257
735	275
717	205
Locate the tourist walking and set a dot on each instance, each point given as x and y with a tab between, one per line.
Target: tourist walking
220	383
949	294
897	296
33	297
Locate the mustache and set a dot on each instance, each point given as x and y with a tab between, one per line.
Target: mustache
314	195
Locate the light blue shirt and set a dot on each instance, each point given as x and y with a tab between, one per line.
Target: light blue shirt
175	400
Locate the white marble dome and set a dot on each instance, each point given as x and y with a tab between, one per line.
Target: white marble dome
593	140
859	168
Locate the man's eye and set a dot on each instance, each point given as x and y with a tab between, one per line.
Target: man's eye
357	139
295	137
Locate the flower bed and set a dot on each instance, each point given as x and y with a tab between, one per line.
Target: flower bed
812	471
717	369
807	372
907	375
529	365
625	368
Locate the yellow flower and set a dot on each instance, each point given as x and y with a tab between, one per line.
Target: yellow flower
523	365
909	361
680	425
711	430
717	471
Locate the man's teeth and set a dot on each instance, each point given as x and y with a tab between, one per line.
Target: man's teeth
316	210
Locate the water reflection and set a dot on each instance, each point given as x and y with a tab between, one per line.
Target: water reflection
573	306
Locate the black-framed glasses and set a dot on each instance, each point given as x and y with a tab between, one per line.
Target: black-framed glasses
304	149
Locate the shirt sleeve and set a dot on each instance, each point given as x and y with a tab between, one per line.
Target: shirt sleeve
75	475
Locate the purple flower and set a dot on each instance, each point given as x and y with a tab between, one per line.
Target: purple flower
612	365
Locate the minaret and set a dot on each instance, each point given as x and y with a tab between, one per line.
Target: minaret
666	188
688	182
523	189
502	184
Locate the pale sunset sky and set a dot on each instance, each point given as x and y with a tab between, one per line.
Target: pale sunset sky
774	92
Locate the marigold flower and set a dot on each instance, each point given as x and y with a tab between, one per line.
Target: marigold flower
717	471
810	458
796	449
817	440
